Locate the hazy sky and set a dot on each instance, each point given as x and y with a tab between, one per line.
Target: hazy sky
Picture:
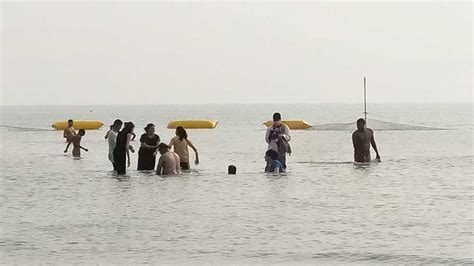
247	52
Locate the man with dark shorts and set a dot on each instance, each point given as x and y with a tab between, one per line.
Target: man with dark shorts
362	138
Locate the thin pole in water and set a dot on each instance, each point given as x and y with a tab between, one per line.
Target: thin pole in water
365	101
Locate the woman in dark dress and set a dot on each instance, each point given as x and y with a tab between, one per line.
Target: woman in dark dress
149	143
122	148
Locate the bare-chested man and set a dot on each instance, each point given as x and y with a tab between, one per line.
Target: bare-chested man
362	138
69	131
169	162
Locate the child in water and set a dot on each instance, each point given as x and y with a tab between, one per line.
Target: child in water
273	164
76	142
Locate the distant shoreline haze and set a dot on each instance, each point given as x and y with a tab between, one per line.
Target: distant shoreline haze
89	53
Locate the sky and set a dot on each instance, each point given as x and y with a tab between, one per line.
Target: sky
87	53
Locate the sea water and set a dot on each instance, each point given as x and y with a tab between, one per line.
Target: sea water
414	207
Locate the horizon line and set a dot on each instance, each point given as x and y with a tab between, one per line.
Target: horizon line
236	103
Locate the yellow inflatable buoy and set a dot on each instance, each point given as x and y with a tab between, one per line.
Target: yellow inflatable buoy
78	124
292	124
193	123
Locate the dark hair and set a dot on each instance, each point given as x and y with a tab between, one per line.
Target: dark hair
181	132
276	117
111	126
128	127
118	122
163	146
361	120
82	132
70	120
272	154
231	170
148	127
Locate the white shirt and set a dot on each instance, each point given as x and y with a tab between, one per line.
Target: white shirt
112	138
273	144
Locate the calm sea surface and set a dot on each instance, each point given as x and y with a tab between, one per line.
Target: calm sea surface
414	207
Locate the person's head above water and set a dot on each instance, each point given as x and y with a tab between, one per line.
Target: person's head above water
117	124
150	128
163	148
82	132
181	133
271	154
128	127
70	123
360	124
276	119
231	170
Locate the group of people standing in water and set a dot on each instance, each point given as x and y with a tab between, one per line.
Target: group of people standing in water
173	162
169	163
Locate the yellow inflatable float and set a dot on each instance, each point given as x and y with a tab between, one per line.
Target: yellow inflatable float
78	124
204	123
292	124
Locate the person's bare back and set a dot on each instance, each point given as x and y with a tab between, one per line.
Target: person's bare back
168	164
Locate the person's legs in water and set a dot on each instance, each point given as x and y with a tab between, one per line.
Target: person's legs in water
184	165
120	163
76	152
282	159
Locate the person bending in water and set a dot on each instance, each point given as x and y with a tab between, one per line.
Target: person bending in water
362	138
168	164
69	132
76	142
273	164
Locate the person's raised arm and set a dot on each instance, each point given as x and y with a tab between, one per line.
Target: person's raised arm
195	152
372	142
127	148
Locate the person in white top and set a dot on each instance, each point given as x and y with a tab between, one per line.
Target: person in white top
277	137
112	139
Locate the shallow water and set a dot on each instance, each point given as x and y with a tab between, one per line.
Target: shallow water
414	207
